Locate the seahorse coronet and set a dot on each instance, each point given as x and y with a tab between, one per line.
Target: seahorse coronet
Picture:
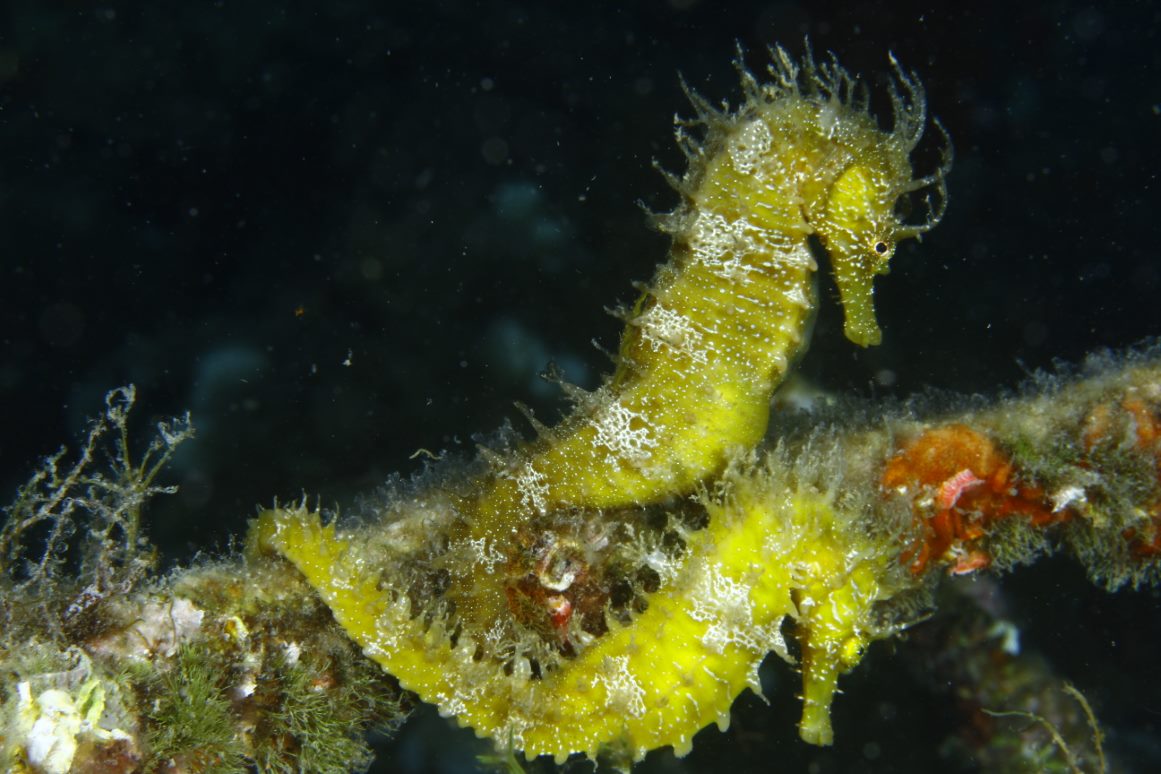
573	598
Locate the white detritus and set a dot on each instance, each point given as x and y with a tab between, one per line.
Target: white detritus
712	238
485	553
533	486
625	433
725	605
750	145
1067	496
664	327
621	688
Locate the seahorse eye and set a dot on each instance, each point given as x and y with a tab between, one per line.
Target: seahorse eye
881	248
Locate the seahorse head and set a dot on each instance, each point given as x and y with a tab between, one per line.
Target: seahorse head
863	221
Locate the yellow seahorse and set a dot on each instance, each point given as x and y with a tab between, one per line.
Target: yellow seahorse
570	598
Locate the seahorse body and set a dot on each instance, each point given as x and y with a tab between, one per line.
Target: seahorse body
452	608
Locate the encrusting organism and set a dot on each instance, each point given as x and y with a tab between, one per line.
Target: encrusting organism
610	586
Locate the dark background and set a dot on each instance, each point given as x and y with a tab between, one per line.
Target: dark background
338	234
